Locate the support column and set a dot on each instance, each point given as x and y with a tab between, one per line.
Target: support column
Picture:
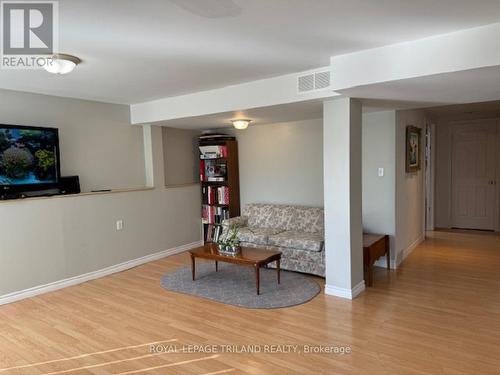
153	156
343	197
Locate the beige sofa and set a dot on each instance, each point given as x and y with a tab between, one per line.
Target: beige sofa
296	231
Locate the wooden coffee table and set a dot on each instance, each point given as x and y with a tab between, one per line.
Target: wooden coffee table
249	256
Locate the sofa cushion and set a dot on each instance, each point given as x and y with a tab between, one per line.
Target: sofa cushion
297	240
306	219
286	217
258	236
264	215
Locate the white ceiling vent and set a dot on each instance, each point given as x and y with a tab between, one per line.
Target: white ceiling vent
313	81
306	83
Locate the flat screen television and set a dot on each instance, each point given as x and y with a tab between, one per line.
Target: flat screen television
29	158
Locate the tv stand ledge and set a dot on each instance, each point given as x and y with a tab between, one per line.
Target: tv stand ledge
85	194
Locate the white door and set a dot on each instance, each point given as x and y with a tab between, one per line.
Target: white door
473	176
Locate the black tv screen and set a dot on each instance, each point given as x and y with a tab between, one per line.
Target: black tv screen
29	158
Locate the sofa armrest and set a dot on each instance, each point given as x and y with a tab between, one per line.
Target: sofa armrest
227	224
240	221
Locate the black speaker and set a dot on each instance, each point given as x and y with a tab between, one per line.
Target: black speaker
6	196
69	185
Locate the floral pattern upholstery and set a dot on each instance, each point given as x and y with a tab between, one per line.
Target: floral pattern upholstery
297	240
312	262
296	231
305	219
259	236
240	221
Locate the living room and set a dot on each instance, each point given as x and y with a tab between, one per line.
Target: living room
338	132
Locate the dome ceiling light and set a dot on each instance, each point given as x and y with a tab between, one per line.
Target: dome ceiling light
61	63
241	124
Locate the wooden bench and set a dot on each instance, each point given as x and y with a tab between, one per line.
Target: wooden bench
374	246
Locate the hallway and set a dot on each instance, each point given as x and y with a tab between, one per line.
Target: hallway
443	304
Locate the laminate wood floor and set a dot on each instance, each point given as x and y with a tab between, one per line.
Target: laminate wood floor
439	313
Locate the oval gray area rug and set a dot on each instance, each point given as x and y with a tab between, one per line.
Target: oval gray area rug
235	285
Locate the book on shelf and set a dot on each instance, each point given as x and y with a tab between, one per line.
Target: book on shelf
208	233
218	173
217	233
212	233
202	170
215	137
215	195
213	152
214	214
213	170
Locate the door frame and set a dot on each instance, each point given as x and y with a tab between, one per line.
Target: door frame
451	126
429	174
497	176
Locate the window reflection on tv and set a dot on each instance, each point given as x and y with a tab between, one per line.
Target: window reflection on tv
28	156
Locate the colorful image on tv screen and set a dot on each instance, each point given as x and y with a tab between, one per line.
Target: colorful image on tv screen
27	156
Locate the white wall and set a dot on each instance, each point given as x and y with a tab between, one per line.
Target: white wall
410	191
47	240
393	204
268	167
97	141
281	163
379	203
181	156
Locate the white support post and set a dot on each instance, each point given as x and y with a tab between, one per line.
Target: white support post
343	196
153	156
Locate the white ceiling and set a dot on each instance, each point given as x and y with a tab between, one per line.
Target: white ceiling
260	116
468	86
135	51
298	111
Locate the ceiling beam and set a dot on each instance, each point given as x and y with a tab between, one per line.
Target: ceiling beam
260	93
458	51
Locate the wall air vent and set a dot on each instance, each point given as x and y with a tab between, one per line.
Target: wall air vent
321	80
313	81
306	83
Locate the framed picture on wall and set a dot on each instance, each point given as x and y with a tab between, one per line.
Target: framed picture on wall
413	149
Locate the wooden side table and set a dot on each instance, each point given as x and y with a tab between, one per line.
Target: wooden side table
374	246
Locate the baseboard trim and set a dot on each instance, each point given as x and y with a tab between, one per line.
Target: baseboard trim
41	289
404	254
344	292
383	263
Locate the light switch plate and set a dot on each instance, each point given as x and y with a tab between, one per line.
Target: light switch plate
381	172
119	225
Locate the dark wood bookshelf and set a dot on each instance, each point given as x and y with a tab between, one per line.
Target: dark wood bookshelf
220	183
231	182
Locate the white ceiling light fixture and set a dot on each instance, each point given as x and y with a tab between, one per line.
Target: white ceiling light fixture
241	124
61	63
